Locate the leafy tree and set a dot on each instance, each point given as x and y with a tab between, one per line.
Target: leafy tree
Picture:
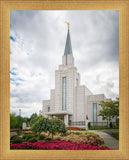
61	126
109	110
33	118
52	126
20	120
13	121
40	113
116	107
41	125
27	120
57	126
17	121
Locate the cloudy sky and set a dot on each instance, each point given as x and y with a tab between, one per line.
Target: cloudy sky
37	42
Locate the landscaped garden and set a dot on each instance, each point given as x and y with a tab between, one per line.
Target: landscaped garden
52	134
69	141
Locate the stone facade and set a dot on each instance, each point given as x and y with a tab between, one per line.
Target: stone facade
95	99
71	101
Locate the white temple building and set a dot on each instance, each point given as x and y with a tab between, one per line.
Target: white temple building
71	101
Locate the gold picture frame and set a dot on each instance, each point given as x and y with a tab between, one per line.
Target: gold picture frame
6	6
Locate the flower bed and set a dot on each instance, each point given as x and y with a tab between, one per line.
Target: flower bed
16	130
56	145
88	139
73	137
74	128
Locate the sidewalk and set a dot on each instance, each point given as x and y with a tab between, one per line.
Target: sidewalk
110	142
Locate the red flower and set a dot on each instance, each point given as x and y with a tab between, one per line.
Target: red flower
56	145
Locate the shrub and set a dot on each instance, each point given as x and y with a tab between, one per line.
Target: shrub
83	129
32	140
102	145
42	137
77	133
13	137
91	139
57	137
64	135
24	137
17	140
25	133
28	136
48	139
71	132
89	125
92	133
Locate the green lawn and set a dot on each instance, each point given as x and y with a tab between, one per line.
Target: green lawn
110	129
115	135
103	128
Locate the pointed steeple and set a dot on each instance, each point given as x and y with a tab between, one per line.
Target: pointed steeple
68	46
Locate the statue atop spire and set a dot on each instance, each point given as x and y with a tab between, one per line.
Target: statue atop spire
68	25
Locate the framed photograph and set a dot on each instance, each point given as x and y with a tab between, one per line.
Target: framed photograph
65	60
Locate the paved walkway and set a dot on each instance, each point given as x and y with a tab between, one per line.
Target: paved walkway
110	142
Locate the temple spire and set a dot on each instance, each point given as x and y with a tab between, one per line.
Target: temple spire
68	46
